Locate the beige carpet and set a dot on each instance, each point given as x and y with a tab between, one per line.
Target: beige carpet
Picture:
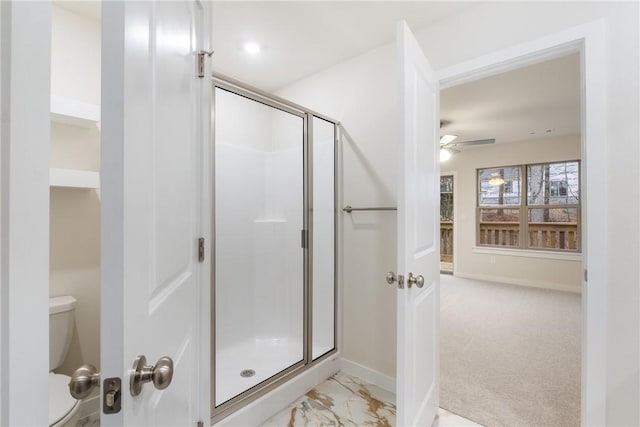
510	355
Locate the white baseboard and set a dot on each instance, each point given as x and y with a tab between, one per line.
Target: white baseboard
520	282
374	377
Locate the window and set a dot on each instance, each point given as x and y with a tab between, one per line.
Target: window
446	198
499	209
508	187
548	218
558	188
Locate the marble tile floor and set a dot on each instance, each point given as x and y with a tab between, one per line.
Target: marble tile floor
346	401
343	400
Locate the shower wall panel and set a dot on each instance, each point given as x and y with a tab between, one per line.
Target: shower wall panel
240	203
261	265
284	203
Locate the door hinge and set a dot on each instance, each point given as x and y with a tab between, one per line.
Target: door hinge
201	55
200	424
303	239
586	276
201	249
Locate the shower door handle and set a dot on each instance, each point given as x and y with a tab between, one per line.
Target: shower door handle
161	374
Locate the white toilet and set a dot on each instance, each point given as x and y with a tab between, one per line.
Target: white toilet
63	409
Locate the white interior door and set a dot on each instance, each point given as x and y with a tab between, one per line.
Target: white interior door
418	241
155	121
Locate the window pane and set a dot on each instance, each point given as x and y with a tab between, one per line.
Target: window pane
499	186
500	215
553	228
553	184
499	227
446	184
446	198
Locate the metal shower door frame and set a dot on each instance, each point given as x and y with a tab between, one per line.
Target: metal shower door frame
231	85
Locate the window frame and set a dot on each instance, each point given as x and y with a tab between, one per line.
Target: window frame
479	208
524	208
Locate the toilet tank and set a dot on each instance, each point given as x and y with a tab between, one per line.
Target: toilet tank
60	328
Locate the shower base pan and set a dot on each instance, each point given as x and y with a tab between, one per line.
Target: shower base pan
248	363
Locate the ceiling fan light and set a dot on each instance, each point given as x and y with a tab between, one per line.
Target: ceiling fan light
447	139
444	154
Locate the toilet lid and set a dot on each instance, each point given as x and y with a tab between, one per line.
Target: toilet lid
60	400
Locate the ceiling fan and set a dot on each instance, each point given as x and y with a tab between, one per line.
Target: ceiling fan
448	146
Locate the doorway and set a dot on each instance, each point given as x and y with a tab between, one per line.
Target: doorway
509	175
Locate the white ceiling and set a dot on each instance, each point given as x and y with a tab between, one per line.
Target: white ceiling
300	38
87	8
543	98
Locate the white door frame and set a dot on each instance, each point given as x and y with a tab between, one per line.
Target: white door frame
25	64
589	40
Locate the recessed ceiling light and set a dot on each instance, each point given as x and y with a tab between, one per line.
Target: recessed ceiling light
252	48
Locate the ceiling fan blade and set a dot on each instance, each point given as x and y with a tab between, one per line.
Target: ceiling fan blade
447	139
475	142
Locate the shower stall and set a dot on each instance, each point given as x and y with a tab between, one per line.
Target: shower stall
274	256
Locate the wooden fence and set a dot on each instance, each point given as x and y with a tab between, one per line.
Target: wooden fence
562	236
541	235
446	241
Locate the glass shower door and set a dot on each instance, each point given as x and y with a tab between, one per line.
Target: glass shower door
323	142
259	260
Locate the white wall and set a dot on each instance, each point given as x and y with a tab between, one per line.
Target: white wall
552	272
75	214
75	59
361	93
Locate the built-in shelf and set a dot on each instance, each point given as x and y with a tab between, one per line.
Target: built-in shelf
73	178
75	113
